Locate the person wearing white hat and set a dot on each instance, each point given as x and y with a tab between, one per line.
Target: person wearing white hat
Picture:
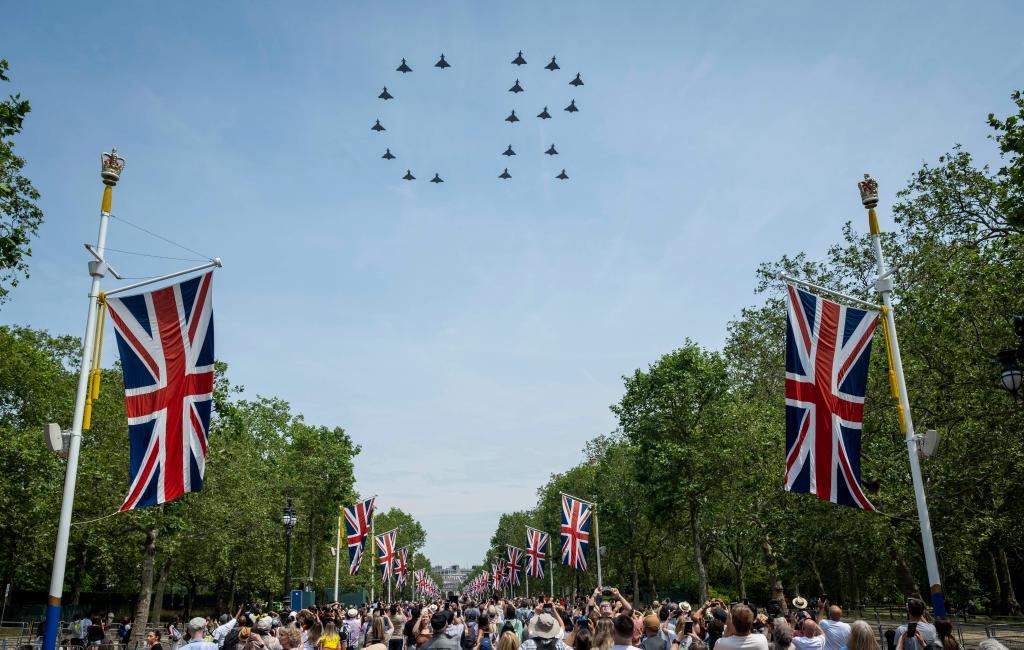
544	633
195	630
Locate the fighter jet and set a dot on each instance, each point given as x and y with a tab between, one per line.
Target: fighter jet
441	63
385	95
572	107
577	81
563	176
516	88
388	155
551	151
403	68
552	66
512	117
544	115
509	152
519	60
505	174
436	179
408	175
377	127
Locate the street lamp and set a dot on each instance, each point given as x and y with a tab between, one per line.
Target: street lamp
288	519
1012	376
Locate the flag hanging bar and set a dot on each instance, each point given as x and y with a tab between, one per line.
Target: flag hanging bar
215	262
818	287
589	503
869	197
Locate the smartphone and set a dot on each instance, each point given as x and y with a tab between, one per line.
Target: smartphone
607	593
688	627
911	628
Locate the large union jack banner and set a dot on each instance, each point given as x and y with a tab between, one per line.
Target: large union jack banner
828	346
512	566
576	515
536	552
358	520
386	552
165	339
401	565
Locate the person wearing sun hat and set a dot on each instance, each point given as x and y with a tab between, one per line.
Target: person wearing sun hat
545	632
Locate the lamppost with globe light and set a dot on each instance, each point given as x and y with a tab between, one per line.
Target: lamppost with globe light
288	519
1012	375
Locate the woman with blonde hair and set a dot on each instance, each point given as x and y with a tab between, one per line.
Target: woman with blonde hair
603	639
508	641
861	637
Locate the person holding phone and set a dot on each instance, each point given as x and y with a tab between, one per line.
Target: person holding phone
917	633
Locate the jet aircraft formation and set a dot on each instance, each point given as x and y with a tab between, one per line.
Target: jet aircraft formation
512	118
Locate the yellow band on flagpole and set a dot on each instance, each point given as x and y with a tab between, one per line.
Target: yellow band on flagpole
873	221
108	193
93	392
893	385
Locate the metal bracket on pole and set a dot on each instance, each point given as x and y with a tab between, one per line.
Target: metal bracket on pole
215	262
100	264
818	287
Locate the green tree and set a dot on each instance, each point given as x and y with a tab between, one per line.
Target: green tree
20	217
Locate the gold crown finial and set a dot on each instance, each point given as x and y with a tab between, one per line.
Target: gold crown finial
111	166
868	191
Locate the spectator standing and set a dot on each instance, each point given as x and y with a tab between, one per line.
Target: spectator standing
544	633
651	639
195	630
440	640
153	639
836	631
622	632
861	637
924	629
811	637
738	633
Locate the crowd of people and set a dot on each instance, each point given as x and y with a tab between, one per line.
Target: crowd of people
604	620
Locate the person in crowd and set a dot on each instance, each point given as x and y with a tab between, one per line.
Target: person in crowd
485	634
739	631
440	639
508	641
924	632
603	638
830	620
195	630
378	631
811	636
544	632
352	630
124	630
397	616
581	638
512	622
862	637
652	640
153	640
944	632
781	635
94	633
622	631
264	630
173	633
290	637
330	640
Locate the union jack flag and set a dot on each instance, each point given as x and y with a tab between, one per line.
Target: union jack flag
386	552
496	574
828	346
536	545
512	566
575	531
401	565
165	339
420	582
358	520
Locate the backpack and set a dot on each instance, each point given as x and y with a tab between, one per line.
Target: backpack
469	634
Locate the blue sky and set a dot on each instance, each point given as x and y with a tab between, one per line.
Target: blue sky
471	335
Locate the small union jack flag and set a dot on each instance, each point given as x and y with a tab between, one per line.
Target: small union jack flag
512	566
401	565
358	520
386	552
828	346
165	339
496	574
536	551
575	531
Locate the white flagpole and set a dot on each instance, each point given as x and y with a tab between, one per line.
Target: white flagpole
373	555
337	555
111	166
551	567
869	197
597	539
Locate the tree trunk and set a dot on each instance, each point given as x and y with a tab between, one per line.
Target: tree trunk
312	549
78	575
854	578
698	553
190	596
233	587
1008	602
636	583
817	576
904	576
157	608
141	618
771	563
997	588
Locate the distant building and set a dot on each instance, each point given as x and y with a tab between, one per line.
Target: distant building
452	577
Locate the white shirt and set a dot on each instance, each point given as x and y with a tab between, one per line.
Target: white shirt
748	642
837	633
630	647
809	642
